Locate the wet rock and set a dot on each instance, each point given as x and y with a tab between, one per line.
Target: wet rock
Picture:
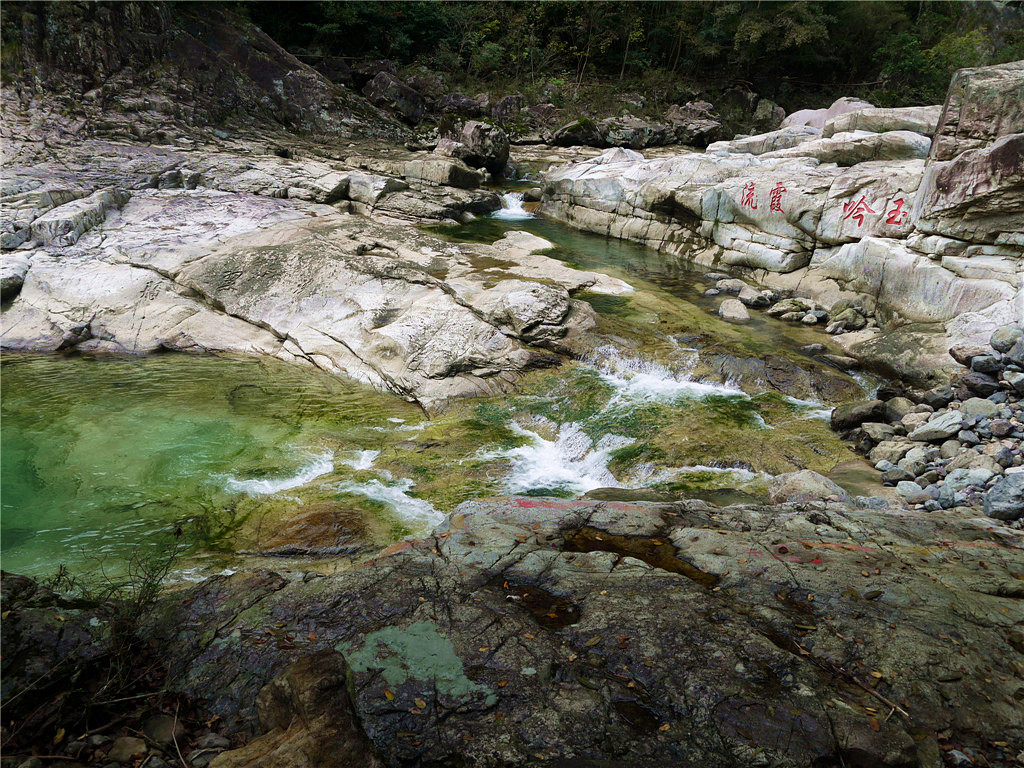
804	486
1005	500
751	297
938	427
733	310
852	414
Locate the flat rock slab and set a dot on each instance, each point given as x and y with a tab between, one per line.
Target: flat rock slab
589	632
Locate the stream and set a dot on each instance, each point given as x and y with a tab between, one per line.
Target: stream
240	458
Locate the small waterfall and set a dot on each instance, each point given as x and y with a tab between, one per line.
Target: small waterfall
512	207
570	462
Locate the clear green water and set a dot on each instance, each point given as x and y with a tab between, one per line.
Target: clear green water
100	456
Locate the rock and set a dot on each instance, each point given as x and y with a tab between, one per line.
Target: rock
386	90
1000	427
819	117
978	406
784	138
989	364
581	132
842	362
877	431
939	397
1003	339
912	492
506	109
850	320
126	749
212	741
974	196
853	414
979	383
486	146
804	485
66	223
444	171
896	408
1016	380
939	427
163	729
751	297
309	720
814	349
733	310
731	285
1005	500
982	104
896	475
13	269
846	149
923	120
458	104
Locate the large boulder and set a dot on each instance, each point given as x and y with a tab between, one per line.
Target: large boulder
982	104
977	196
921	120
578	133
818	117
444	171
386	90
506	110
860	146
486	146
783	138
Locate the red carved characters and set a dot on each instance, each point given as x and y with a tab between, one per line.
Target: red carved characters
855	209
775	203
747	199
897	215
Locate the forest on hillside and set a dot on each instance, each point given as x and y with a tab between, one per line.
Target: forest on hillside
794	52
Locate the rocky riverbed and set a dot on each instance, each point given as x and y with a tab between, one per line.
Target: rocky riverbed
576	503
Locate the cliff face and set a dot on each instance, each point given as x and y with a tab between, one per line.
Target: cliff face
143	70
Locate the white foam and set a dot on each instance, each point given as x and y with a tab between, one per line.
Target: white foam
397	497
362	460
570	462
320	465
512	208
635	379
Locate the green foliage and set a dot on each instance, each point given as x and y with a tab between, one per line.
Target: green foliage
798	53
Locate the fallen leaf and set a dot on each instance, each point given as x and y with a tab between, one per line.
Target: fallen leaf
665	727
502	683
593	641
420	703
389	694
59	736
875	725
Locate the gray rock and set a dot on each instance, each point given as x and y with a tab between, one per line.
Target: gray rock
939	427
851	415
1005	500
804	485
163	729
979	406
990	364
734	311
912	492
212	741
950	448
